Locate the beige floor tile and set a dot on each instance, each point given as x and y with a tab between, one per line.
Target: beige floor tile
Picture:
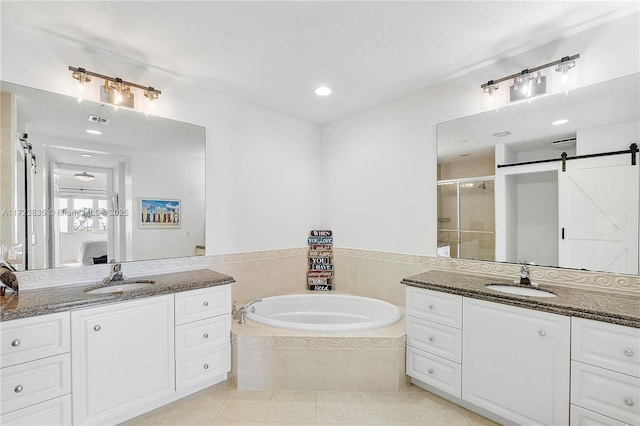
243	409
301	396
249	395
153	417
339	396
336	412
384	397
383	413
185	422
239	423
292	412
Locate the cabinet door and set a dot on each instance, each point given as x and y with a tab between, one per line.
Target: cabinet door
516	362
122	357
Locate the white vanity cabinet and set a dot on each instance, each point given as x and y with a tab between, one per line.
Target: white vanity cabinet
434	338
123	358
36	370
605	373
202	337
516	362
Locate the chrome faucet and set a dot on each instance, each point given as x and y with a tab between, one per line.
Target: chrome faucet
242	310
525	278
115	275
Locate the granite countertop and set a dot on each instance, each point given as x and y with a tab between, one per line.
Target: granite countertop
65	298
615	308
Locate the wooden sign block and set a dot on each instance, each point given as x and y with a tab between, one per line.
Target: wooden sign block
319	260
320	274
319	287
320	247
320	240
321	233
320	253
318	281
321	267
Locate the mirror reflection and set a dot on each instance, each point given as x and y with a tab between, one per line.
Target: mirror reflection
85	183
500	199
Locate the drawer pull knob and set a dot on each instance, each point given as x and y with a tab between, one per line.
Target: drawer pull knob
430	371
628	401
205	335
542	333
15	343
431	339
206	366
97	328
18	389
628	352
205	303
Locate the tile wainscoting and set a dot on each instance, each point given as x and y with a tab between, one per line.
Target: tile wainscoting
361	272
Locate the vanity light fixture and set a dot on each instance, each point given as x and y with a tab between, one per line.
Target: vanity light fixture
84	177
530	81
117	90
81	75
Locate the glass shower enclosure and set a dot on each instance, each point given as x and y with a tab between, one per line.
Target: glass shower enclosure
466	218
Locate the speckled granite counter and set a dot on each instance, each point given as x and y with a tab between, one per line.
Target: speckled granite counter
56	299
612	308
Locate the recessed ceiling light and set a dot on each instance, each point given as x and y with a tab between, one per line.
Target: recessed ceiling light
86	155
559	122
94	132
323	91
502	134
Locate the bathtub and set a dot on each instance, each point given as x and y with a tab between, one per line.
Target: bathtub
320	342
324	312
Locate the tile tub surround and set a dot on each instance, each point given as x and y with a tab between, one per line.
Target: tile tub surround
57	299
623	309
268	358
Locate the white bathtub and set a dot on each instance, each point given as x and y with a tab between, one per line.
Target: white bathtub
324	312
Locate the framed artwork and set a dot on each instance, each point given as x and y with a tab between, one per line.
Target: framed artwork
159	213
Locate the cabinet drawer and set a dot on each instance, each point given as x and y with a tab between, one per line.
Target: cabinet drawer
434	338
55	412
442	308
605	345
199	304
435	371
199	367
28	339
581	417
36	381
606	392
202	335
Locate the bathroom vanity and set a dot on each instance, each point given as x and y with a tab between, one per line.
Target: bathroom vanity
569	359
72	357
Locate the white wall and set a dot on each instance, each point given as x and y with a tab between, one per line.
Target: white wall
615	137
262	168
269	180
379	165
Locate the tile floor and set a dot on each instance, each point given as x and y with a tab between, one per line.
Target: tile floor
224	405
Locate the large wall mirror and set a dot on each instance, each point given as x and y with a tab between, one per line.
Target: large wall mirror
85	183
500	200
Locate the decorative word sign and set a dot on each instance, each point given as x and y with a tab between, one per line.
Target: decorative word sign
320	253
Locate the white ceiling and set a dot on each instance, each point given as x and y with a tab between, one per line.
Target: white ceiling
274	54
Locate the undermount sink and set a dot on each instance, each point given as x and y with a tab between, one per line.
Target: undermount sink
121	287
521	291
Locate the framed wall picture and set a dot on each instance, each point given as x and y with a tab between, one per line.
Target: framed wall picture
159	213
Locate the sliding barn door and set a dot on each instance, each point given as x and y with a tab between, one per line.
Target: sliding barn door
598	213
